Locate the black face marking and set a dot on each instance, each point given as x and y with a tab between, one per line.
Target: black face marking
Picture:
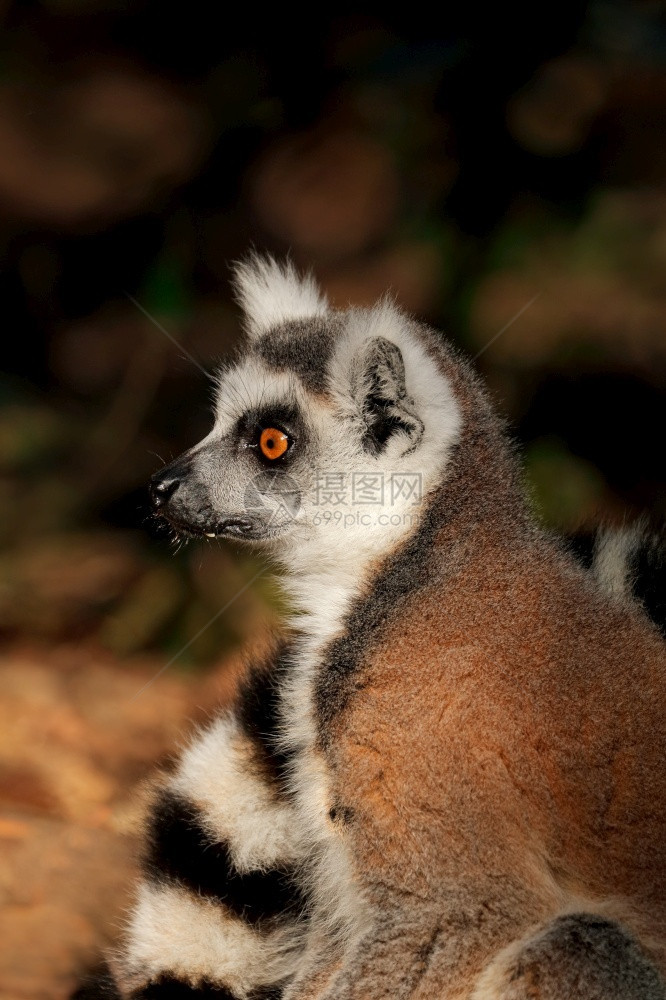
179	849
303	347
258	710
280	416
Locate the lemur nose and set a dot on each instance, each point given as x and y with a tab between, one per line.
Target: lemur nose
164	483
162	488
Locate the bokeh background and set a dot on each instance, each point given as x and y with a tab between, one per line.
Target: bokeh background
502	172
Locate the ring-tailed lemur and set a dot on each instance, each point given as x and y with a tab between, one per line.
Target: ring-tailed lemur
448	780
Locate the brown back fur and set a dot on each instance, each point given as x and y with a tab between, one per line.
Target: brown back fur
500	746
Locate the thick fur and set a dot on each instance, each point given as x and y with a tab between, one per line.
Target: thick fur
632	561
578	954
449	782
270	295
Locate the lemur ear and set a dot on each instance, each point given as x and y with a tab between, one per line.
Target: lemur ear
381	393
271	293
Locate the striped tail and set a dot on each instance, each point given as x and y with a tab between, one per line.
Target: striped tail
99	985
220	911
629	562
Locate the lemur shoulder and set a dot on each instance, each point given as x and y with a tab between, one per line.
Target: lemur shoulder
448	778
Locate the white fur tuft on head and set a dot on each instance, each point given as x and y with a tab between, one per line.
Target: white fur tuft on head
271	293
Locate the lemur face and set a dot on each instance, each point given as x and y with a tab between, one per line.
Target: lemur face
330	427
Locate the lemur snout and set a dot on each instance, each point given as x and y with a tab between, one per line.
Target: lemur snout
163	484
179	497
162	490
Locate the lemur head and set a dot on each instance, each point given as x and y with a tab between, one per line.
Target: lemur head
330	429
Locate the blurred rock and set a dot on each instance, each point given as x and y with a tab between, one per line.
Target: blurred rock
89	357
94	147
634	122
58	586
600	288
413	272
213	329
144	610
568	492
553	114
327	193
75	737
30	433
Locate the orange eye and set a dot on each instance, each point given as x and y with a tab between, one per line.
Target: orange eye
273	443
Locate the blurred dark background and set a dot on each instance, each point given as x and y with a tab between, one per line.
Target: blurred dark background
468	160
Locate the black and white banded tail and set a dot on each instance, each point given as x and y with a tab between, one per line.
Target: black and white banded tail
629	562
221	909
